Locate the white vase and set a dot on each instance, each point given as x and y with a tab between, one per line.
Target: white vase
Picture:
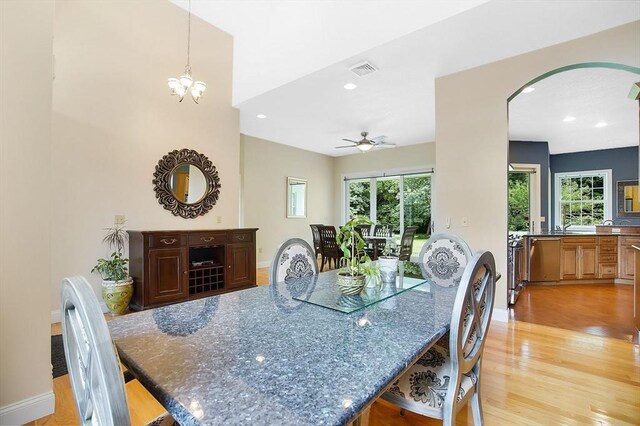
388	267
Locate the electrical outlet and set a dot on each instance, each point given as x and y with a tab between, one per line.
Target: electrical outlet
543	219
119	219
448	222
219	219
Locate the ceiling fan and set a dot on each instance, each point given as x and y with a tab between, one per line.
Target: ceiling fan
365	144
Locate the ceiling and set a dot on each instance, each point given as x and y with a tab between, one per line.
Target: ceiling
292	59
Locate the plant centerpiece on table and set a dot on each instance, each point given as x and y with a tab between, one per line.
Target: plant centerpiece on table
356	265
117	285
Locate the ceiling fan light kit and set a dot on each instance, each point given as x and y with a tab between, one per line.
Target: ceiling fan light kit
365	145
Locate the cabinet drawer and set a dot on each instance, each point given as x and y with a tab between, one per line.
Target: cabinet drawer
607	270
628	241
608	240
608	258
241	237
608	249
578	241
166	240
207	239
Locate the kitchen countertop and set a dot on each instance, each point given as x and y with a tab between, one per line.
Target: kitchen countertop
581	234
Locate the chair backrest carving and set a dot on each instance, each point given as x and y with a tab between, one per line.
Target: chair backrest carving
382	231
328	241
443	258
294	259
470	320
94	368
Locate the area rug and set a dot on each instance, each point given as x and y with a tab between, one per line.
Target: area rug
57	356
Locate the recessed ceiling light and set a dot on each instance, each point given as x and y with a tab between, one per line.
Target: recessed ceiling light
261	116
528	89
350	86
568	118
601	124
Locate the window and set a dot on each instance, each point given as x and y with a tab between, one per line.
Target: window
397	200
582	199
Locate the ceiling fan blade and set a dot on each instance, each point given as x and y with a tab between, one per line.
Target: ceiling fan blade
349	140
345	146
378	139
390	145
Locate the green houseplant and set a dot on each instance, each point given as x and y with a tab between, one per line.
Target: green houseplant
356	264
117	285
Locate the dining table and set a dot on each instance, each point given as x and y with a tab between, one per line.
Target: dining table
376	242
296	352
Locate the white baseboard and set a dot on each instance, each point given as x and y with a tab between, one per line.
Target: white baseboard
501	315
28	410
265	264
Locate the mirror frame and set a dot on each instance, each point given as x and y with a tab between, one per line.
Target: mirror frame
621	185
291	181
162	183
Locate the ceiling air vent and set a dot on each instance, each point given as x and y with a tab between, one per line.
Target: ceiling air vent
363	69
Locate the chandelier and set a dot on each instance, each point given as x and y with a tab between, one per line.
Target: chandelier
180	86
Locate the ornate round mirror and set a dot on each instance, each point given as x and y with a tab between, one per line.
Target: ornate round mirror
186	183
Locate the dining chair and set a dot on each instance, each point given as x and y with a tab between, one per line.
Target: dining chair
447	376
406	243
443	258
294	259
330	250
316	238
94	368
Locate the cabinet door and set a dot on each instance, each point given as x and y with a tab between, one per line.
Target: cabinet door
570	262
627	263
588	263
168	275
241	265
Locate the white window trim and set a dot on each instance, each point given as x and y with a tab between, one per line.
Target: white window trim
535	219
608	195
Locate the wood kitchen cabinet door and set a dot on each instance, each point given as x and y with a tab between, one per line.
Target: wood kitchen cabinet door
579	262
168	269
627	263
570	256
588	264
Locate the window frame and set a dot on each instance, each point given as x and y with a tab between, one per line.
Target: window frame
607	176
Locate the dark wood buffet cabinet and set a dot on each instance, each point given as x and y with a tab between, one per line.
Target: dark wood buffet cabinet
174	266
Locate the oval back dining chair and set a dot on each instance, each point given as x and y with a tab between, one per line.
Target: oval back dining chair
294	259
447	376
443	258
94	368
330	250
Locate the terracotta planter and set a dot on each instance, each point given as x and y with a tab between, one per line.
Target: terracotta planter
117	295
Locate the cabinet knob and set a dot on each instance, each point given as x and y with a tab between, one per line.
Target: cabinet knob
229	266
168	241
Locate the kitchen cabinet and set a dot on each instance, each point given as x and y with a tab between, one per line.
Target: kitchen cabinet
608	257
626	269
175	266
578	258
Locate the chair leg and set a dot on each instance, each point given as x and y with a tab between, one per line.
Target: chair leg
322	263
476	408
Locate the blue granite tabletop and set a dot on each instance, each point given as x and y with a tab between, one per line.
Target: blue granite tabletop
260	357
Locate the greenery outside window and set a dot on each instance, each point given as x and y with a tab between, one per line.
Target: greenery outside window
582	199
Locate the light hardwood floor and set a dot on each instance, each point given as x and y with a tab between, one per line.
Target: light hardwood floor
532	375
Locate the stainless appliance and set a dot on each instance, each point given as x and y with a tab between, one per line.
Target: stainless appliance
544	259
515	274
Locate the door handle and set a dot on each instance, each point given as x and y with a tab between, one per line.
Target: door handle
168	241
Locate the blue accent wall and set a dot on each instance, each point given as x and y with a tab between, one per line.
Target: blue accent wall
534	153
623	163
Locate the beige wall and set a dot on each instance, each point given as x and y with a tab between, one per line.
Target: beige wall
113	119
472	134
26	35
266	166
407	158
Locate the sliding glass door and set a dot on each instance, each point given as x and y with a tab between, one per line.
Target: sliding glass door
398	201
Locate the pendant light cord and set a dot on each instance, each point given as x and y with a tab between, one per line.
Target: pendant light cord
189	36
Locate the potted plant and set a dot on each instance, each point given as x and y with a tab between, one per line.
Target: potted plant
388	262
356	264
117	285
